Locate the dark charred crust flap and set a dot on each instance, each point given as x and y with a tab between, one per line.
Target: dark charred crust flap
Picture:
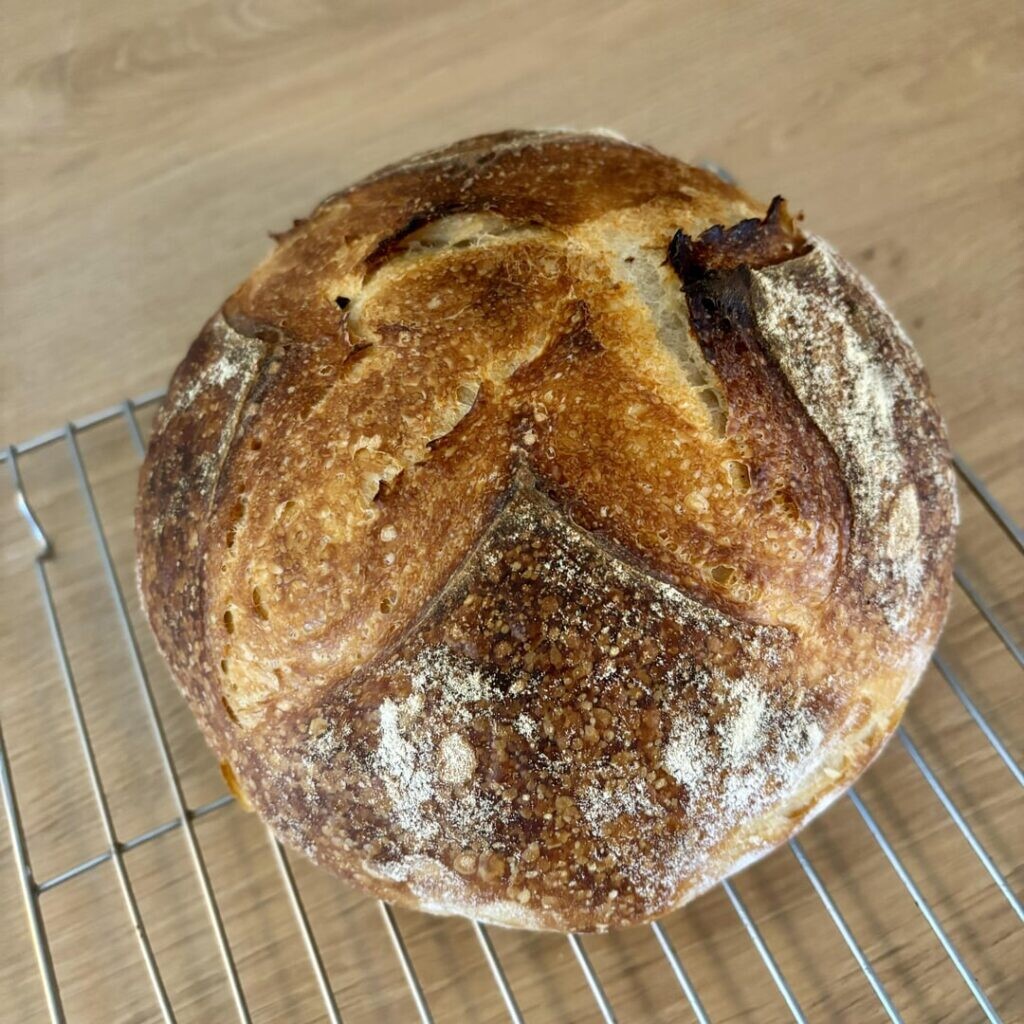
750	243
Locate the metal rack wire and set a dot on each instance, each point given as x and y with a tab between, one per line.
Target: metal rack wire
33	889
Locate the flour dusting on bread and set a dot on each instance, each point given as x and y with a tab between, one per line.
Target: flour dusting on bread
849	385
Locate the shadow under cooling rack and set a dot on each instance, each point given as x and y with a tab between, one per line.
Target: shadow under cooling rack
185	818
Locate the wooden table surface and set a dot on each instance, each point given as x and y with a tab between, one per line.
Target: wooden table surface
147	150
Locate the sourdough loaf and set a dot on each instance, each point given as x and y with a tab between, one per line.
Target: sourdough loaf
545	530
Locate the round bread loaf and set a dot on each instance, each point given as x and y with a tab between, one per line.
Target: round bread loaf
545	530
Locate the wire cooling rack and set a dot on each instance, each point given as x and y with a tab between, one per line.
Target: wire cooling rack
593	1000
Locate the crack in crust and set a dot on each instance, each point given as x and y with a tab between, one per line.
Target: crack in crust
510	580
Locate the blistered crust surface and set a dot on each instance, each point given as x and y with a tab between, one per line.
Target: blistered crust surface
545	529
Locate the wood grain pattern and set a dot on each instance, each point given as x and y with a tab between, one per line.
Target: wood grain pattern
146	150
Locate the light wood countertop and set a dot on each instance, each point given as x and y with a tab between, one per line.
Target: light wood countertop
147	151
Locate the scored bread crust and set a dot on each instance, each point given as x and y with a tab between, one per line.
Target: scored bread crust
545	530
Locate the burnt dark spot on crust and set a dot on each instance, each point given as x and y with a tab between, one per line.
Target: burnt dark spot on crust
750	243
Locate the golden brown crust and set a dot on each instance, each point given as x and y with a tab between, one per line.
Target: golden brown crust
545	529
